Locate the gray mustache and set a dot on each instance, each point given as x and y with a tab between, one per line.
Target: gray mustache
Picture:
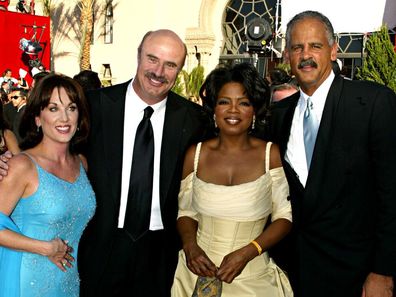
152	75
309	62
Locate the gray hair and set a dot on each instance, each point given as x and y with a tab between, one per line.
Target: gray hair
309	14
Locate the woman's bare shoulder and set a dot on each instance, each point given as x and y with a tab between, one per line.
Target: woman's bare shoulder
188	165
275	160
20	163
210	144
21	174
84	161
19	182
257	142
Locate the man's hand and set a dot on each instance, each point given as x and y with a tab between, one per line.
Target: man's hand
377	285
3	164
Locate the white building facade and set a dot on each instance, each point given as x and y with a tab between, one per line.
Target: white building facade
213	30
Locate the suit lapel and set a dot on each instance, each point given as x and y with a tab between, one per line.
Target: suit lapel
317	172
170	148
113	107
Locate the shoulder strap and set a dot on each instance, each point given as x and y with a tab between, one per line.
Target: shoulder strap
30	157
196	157
267	156
38	167
81	163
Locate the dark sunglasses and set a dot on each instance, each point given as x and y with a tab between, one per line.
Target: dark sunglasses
15	97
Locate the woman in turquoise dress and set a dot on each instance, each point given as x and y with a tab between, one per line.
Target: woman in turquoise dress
46	199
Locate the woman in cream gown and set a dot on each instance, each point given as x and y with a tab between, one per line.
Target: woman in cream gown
231	185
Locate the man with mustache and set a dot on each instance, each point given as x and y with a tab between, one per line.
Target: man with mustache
113	260
337	138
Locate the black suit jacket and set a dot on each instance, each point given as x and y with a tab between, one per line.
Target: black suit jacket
345	217
184	125
16	123
9	112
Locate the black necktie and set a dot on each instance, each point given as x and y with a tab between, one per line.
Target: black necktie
137	217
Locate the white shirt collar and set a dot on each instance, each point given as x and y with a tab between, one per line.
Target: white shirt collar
295	153
318	98
22	105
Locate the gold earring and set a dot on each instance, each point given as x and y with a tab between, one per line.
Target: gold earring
214	120
253	122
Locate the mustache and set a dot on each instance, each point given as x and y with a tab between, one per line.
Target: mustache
308	62
152	75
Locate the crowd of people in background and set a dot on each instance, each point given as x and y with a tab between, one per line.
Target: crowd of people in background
291	173
21	6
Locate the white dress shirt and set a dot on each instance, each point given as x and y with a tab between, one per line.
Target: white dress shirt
134	110
19	108
295	152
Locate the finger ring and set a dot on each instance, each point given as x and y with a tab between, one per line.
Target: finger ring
64	264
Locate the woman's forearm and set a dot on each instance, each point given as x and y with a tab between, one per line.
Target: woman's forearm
15	241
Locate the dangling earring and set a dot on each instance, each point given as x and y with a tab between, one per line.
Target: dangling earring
253	122
214	120
38	129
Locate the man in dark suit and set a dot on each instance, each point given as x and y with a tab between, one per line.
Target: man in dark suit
18	97
111	261
343	194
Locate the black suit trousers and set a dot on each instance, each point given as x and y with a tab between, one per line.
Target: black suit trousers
140	268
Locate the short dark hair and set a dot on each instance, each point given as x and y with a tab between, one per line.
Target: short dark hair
256	88
23	92
39	75
309	14
39	99
88	80
279	76
6	70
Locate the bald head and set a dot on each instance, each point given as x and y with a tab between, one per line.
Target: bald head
161	56
162	33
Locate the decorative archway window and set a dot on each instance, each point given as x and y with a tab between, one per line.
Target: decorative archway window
238	13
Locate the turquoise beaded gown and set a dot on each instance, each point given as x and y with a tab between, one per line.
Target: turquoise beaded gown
57	209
